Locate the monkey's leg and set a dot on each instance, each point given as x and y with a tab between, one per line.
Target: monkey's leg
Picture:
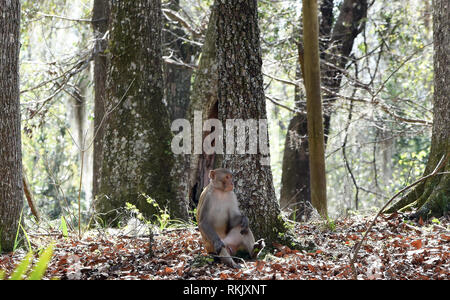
235	240
248	242
225	257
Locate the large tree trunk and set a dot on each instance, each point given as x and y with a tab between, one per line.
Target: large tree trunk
11	186
137	157
241	96
432	197
339	42
100	16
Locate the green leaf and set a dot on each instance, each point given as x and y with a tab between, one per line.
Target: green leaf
64	227
41	266
22	268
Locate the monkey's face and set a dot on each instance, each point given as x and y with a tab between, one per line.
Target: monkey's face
222	179
227	182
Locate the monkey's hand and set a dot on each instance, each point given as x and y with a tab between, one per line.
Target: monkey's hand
218	245
244	225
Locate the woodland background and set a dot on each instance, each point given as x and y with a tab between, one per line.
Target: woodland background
393	54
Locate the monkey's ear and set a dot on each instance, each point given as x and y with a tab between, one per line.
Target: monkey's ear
212	174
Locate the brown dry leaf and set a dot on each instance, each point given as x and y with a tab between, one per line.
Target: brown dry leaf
421	221
445	237
417	244
260	265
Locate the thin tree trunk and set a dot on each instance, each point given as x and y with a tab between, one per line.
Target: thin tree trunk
100	17
11	185
314	108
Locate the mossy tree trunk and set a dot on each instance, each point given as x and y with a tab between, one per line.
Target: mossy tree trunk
241	96
432	196
137	157
11	186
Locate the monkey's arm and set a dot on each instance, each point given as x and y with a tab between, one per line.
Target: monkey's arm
238	219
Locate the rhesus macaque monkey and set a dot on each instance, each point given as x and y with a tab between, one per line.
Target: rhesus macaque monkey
223	227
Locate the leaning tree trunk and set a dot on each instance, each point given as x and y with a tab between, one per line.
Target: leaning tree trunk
204	101
241	96
432	197
11	187
339	40
137	157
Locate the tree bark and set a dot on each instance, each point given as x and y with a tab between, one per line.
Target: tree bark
336	44
11	186
137	157
314	108
241	96
432	197
204	99
100	17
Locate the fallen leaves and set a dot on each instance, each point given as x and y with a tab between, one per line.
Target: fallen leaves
394	249
417	244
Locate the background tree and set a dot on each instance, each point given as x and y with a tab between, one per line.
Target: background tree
314	108
337	36
11	187
204	99
241	96
136	154
181	51
100	17
432	196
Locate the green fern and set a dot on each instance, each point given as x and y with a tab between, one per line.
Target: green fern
37	272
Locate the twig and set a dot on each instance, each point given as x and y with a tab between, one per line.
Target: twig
344	144
70	19
174	16
358	246
29	197
231	256
281	105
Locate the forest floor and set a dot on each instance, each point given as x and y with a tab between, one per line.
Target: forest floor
395	248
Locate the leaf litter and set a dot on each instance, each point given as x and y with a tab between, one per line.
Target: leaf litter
395	249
